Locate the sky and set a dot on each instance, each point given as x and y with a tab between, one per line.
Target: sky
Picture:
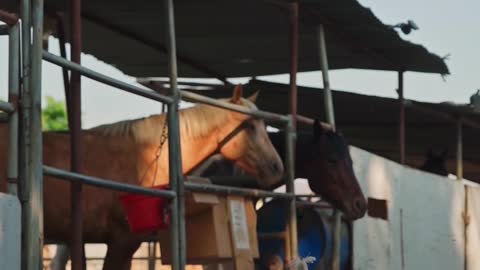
446	28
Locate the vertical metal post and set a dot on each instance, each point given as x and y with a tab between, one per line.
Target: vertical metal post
401	118
290	188
24	155
459	149
291	240
35	176
63	53
328	100
13	96
75	135
174	150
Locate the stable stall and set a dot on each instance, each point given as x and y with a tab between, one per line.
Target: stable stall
213	40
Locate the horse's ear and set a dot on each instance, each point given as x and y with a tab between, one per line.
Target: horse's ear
317	129
237	94
253	97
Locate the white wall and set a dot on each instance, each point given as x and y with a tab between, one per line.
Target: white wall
424	228
10	225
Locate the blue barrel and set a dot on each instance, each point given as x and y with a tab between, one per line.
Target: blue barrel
315	235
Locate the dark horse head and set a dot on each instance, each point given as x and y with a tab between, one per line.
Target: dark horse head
323	157
436	162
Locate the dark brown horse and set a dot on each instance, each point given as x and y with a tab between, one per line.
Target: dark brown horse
322	156
436	162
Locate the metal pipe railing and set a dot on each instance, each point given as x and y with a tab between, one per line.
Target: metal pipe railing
6	107
104	183
30	249
178	233
8	18
226	190
192	97
57	60
34	177
13	97
290	189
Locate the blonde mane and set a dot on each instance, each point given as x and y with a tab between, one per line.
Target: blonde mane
195	122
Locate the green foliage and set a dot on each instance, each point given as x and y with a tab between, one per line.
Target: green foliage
54	115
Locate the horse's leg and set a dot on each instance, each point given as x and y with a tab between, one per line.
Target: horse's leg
119	255
59	261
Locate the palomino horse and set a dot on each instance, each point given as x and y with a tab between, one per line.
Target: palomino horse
130	152
322	157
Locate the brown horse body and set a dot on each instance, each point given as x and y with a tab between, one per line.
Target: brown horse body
130	152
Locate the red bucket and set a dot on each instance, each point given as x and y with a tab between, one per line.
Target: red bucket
146	213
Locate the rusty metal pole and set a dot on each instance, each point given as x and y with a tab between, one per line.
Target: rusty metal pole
460	149
291	240
75	135
401	118
329	110
66	78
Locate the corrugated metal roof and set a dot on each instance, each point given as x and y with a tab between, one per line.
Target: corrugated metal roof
237	38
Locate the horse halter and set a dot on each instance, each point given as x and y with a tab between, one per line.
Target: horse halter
232	135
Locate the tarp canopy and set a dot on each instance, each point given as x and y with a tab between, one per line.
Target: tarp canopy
241	38
372	122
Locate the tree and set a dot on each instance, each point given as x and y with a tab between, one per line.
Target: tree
54	115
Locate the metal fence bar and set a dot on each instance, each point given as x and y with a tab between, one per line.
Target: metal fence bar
24	155
13	92
104	183
8	18
57	60
290	188
192	97
35	176
178	242
6	107
225	190
335	263
74	105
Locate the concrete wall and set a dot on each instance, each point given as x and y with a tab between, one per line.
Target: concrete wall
424	227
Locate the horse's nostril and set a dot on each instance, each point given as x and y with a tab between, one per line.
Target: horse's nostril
275	167
359	205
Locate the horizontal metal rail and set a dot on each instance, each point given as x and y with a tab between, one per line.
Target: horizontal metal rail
8	18
60	61
6	107
4	30
192	97
224	190
103	183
